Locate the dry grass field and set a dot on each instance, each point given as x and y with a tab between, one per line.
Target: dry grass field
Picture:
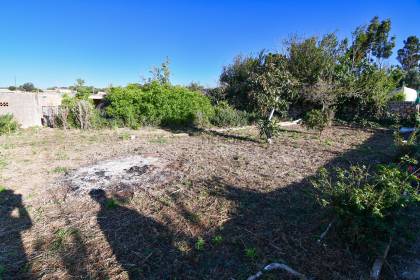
201	205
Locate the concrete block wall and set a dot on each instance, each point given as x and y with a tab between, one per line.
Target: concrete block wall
403	108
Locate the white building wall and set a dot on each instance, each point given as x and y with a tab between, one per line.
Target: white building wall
26	107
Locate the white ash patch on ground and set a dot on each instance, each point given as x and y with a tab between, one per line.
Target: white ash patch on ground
120	174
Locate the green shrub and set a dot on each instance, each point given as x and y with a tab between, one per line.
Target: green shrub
226	116
268	129
8	124
317	120
79	113
368	205
400	96
157	104
407	147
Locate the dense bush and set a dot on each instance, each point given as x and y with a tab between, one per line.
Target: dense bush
157	104
78	113
346	78
226	116
368	205
317	120
8	124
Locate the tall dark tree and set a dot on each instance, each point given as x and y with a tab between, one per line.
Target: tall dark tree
372	40
412	78
28	87
409	55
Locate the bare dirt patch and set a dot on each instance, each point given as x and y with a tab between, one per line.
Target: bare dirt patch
123	174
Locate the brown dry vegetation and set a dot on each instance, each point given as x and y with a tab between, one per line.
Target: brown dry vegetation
234	205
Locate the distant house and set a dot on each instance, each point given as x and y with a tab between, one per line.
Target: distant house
410	95
29	108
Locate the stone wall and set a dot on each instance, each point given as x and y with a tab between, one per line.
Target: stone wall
405	109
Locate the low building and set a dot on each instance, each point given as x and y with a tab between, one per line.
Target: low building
98	98
29	108
409	94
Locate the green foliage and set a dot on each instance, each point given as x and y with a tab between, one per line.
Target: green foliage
251	253
372	40
60	169
79	113
61	236
217	240
156	104
29	87
161	74
366	92
368	205
2	271
226	116
400	96
407	147
2	189
317	120
321	73
258	84
412	79
236	81
200	244
111	203
268	128
8	124
409	55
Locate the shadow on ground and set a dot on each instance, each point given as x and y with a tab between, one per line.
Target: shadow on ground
143	247
14	219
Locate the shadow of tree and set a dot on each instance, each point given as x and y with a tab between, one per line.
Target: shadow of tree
13	220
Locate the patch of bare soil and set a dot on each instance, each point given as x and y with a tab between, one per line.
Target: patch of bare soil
122	174
214	205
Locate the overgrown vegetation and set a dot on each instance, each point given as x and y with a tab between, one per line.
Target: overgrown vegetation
316	119
344	78
226	116
369	204
8	124
157	104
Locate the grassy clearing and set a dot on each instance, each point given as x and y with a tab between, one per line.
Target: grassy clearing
235	206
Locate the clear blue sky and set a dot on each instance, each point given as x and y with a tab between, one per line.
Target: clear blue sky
53	42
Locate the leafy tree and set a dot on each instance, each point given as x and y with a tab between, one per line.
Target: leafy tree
412	78
311	60
194	86
12	88
372	40
82	91
79	83
236	82
272	86
314	64
409	55
317	120
29	87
